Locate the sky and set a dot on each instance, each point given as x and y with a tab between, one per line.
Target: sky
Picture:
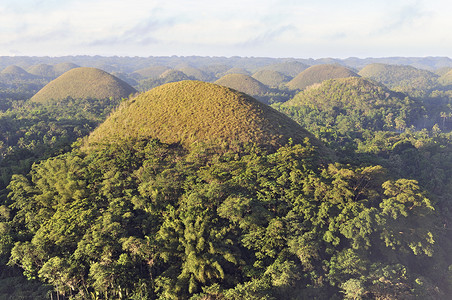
264	28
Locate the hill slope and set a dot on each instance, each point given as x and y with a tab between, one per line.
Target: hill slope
84	83
189	111
317	74
243	83
446	79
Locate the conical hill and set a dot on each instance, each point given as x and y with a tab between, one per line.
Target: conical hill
194	111
82	83
317	74
243	83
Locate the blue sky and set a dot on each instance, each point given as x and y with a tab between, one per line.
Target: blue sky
283	28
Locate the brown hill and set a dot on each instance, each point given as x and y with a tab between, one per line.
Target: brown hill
42	70
243	83
151	72
318	74
61	68
84	83
194	111
16	72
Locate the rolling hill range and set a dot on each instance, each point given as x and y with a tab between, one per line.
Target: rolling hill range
271	78
243	83
84	83
194	111
317	74
400	77
150	72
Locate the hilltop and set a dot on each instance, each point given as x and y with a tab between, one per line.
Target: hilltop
317	74
400	77
446	79
84	83
190	111
271	78
16	71
243	83
151	72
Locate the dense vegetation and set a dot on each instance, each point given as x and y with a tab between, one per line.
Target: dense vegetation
196	191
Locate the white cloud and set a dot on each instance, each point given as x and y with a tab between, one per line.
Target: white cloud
253	28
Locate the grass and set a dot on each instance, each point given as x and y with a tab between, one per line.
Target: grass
187	112
243	83
317	74
288	68
84	83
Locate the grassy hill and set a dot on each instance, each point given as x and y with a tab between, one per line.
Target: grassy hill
196	73
81	83
352	104
271	78
16	72
151	72
243	83
400	77
61	68
189	111
42	70
289	68
317	74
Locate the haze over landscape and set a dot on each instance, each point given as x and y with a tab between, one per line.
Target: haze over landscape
270	28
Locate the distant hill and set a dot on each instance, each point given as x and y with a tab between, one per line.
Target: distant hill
168	76
61	68
196	73
237	70
400	77
351	92
446	79
243	83
153	72
288	68
271	78
84	83
16	71
42	70
350	104
189	111
317	74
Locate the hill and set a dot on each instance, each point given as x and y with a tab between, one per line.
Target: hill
271	78
352	104
16	72
151	72
189	111
317	74
243	83
446	79
400	77
42	70
61	68
288	68
196	73
81	83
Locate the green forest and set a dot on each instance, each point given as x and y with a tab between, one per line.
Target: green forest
160	179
